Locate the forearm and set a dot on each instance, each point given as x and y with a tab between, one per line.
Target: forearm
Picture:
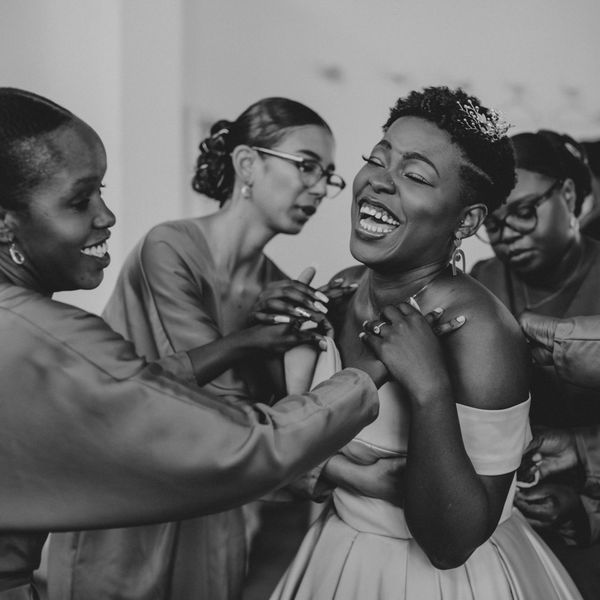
212	359
338	471
447	506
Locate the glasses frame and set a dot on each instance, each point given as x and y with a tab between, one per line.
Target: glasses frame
333	180
534	204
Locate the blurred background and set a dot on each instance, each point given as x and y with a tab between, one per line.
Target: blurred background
152	75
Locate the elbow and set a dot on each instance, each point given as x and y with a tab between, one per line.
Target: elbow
448	559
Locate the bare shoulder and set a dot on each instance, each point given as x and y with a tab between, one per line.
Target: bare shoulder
488	356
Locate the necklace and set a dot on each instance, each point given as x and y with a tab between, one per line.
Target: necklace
412	299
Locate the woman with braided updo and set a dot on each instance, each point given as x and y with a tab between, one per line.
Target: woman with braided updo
206	281
457	409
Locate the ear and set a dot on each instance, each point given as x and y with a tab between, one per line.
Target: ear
7	226
243	158
470	220
569	193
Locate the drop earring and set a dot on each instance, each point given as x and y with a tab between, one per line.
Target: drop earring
458	256
246	191
15	254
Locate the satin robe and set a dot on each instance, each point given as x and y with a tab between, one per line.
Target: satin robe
92	435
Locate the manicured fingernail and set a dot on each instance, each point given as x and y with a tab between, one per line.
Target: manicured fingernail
361	335
337	280
322	344
321	296
320	307
353	285
364	323
282	319
437	311
301	312
461	319
308	325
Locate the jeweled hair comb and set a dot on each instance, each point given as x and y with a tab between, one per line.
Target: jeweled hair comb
490	125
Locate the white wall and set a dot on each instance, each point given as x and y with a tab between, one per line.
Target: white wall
117	65
350	60
149	74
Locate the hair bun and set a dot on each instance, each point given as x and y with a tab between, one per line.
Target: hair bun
213	166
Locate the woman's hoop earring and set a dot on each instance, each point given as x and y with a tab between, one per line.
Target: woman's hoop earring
458	256
16	255
246	191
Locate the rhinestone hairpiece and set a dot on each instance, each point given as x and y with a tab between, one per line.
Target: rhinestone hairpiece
490	125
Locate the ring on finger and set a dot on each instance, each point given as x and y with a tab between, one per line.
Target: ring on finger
529	484
378	326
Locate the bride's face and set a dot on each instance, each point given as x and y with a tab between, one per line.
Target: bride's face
407	198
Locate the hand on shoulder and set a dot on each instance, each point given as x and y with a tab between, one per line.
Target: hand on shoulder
488	359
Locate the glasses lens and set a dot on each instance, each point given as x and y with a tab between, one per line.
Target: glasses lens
522	219
492	224
335	184
310	172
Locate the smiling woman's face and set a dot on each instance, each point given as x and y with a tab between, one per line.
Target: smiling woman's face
407	201
63	231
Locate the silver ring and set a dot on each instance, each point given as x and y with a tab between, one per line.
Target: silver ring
529	484
378	326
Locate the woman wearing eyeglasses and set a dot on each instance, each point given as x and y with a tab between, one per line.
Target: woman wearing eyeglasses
543	264
206	281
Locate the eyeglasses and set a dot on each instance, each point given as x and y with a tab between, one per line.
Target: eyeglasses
521	217
310	170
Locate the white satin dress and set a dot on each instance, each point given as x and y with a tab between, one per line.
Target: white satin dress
361	548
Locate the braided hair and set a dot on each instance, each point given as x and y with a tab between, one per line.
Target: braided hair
25	157
264	124
488	173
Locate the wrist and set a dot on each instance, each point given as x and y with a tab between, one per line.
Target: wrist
238	344
430	392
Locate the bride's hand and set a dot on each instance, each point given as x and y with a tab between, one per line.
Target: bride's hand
407	345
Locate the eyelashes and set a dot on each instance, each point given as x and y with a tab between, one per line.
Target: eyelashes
414	177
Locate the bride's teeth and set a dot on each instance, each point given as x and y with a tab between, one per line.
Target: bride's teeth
376	219
368	225
378	214
98	251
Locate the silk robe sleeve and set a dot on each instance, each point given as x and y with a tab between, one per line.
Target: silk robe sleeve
576	351
93	436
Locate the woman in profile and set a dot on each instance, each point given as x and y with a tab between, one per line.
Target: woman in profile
457	410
